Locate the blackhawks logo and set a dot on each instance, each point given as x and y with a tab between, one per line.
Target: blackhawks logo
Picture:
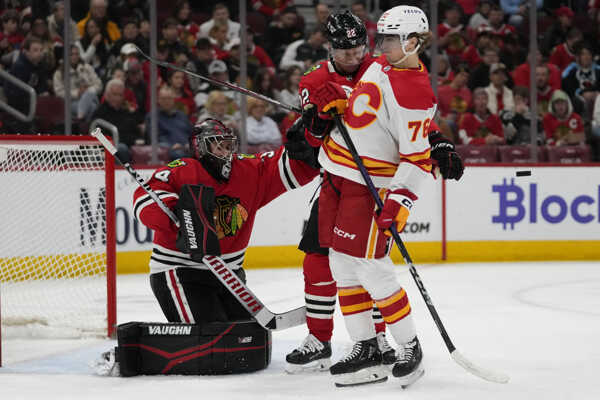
230	215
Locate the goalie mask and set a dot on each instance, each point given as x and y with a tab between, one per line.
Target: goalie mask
347	37
214	144
397	25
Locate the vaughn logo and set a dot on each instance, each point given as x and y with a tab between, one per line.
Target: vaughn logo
169	330
189	227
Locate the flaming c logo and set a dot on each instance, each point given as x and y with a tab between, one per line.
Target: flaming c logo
230	215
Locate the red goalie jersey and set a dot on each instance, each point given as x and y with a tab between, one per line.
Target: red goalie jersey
255	180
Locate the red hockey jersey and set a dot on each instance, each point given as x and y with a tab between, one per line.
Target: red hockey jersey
323	72
255	180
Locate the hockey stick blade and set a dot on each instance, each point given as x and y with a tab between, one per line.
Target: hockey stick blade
496	377
250	302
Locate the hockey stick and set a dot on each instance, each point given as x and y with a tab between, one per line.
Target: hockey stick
456	356
218	82
217	266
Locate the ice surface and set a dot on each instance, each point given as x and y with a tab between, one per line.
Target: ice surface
538	322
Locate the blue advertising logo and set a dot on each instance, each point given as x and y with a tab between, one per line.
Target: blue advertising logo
513	209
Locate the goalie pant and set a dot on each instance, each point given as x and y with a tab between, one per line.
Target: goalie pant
319	286
254	181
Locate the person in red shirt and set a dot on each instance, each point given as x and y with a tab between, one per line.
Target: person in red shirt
185	289
480	126
473	54
544	89
500	30
10	37
562	126
455	98
564	54
271	8
520	74
452	34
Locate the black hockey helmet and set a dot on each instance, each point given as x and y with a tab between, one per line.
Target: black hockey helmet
345	30
214	144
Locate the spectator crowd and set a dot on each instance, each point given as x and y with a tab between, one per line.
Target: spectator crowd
483	76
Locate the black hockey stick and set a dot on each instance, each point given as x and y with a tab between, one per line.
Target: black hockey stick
456	356
217	266
218	82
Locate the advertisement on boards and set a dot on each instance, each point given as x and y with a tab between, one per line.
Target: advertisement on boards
553	203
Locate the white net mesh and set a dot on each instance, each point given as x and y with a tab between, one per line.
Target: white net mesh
52	240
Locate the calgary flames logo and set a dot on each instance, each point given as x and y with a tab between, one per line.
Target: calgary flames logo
230	215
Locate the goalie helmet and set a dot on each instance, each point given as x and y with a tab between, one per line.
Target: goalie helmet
404	22
213	144
345	31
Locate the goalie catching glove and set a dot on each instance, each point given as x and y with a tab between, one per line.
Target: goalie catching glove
395	209
197	235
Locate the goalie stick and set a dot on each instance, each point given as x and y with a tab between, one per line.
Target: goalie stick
217	266
488	375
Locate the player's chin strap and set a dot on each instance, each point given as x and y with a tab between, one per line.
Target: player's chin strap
406	52
216	265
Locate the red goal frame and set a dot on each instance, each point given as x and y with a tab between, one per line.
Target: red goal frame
109	181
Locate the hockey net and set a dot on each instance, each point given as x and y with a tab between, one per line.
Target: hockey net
57	257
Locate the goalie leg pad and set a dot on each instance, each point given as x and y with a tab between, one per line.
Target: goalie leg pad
216	348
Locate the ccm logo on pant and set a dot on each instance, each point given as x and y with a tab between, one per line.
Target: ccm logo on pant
343	234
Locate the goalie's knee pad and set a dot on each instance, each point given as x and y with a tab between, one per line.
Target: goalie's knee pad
216	348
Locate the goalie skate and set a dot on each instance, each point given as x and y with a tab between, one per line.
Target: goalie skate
312	355
106	364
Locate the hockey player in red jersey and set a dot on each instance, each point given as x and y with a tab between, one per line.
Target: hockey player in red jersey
387	117
186	290
349	59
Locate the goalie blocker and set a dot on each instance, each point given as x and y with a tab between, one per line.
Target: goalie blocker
216	348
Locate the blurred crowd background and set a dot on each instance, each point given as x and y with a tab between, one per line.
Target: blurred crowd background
482	80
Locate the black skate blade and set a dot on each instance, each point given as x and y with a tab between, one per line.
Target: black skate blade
381	380
414	378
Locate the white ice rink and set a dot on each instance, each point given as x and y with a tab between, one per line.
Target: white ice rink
537	322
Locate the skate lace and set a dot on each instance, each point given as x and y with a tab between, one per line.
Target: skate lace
407	352
384	346
310	344
354	353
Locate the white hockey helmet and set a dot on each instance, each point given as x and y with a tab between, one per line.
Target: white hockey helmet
403	21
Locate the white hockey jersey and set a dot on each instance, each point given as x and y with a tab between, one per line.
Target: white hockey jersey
388	116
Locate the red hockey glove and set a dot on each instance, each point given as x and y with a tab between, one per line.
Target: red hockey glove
330	96
395	209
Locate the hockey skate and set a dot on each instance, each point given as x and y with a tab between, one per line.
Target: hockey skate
312	355
106	364
388	354
361	366
408	368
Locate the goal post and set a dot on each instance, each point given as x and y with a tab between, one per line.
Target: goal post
57	238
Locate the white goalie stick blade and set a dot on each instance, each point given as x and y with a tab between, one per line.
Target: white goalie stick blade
250	302
488	375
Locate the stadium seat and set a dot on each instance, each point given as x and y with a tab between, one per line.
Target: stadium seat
478	154
569	154
142	154
50	114
520	154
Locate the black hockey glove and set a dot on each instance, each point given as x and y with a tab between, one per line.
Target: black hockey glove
444	154
317	126
297	146
197	235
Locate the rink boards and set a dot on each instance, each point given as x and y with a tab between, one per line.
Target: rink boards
489	215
